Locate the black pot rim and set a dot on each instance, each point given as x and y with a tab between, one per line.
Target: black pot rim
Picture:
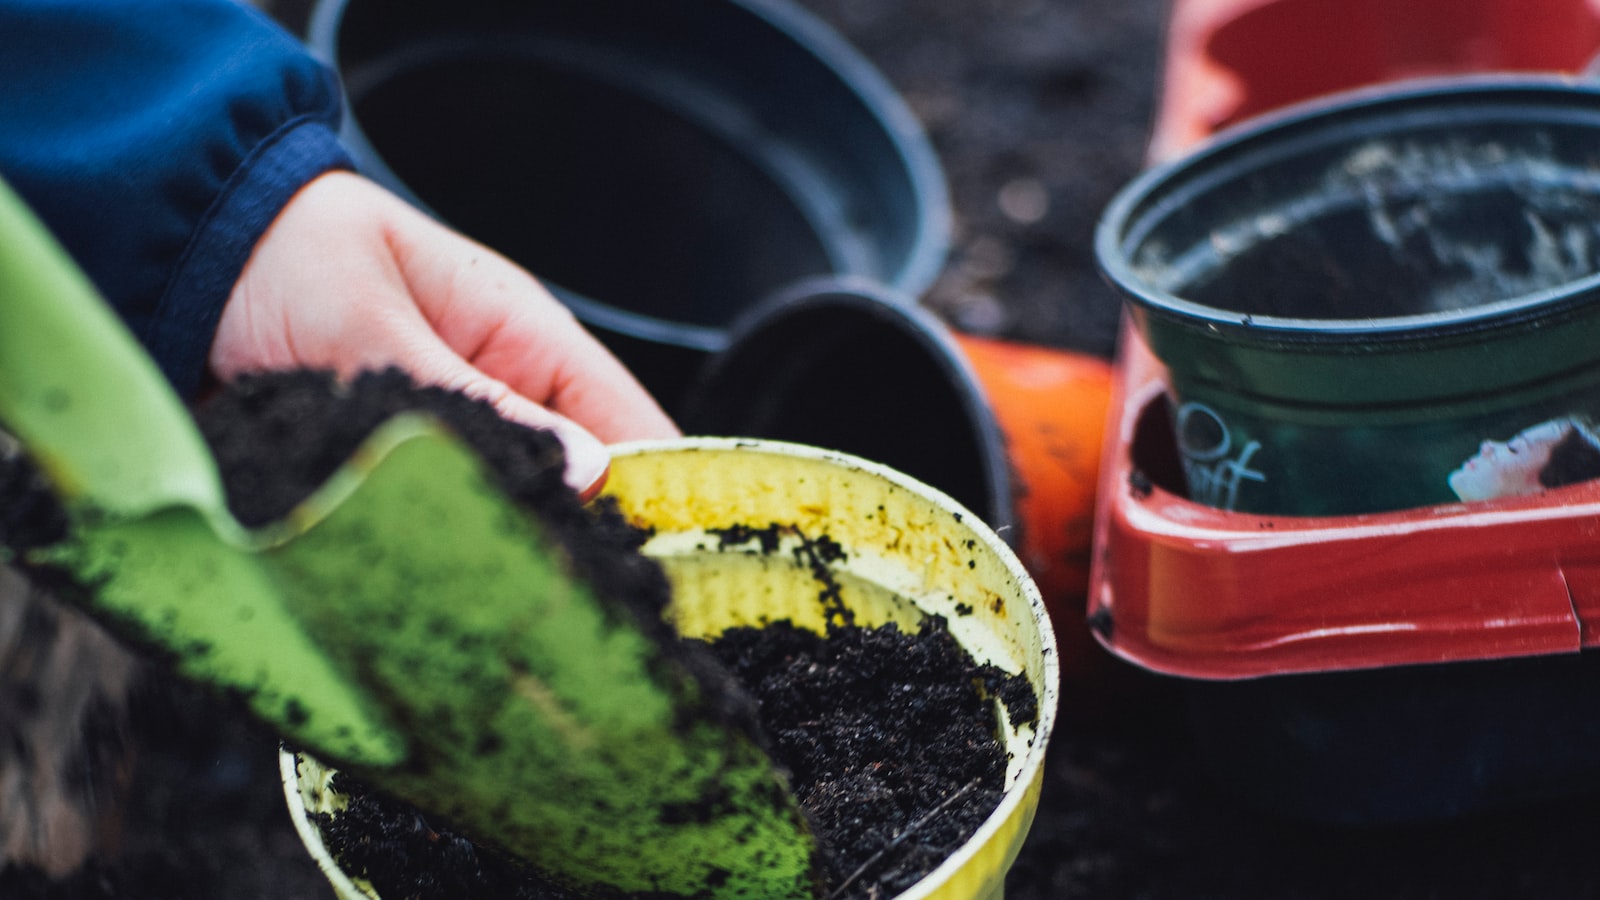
1302	121
901	127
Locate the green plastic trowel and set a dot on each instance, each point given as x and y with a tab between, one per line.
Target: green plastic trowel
406	623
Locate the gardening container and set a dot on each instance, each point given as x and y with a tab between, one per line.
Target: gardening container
1325	308
1010	430
909	551
1352	298
1228	60
661	166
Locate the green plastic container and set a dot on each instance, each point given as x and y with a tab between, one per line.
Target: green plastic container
1353	297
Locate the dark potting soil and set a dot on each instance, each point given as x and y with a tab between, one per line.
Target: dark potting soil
891	750
891	736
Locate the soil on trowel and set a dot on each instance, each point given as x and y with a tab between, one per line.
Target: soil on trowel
890	735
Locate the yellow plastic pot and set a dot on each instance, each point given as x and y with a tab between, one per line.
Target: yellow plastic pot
910	551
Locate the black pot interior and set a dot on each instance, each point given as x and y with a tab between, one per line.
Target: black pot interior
1416	212
677	161
863	380
589	185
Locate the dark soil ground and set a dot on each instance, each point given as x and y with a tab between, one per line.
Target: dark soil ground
1040	110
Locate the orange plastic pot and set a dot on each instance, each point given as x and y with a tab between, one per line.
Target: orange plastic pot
1012	431
1229	60
1050	406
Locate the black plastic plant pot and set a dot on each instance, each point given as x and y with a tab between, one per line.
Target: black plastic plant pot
662	166
1011	430
847	364
1353	296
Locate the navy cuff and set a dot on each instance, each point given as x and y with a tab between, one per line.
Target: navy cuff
185	323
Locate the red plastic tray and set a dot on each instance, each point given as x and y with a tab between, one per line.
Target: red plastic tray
1189	590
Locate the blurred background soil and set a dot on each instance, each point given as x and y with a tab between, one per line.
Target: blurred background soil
1040	111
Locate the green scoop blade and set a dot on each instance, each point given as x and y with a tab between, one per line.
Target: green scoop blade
407	622
538	717
91	406
152	535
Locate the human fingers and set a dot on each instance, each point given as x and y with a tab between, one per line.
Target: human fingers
502	321
323	290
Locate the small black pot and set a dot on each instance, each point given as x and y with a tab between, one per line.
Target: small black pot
848	364
661	166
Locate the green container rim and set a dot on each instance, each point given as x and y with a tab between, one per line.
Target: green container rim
1144	203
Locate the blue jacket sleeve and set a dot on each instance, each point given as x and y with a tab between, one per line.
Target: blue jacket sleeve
158	139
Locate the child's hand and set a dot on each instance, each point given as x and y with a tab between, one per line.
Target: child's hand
349	277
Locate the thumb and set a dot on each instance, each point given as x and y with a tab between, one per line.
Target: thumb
587	459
